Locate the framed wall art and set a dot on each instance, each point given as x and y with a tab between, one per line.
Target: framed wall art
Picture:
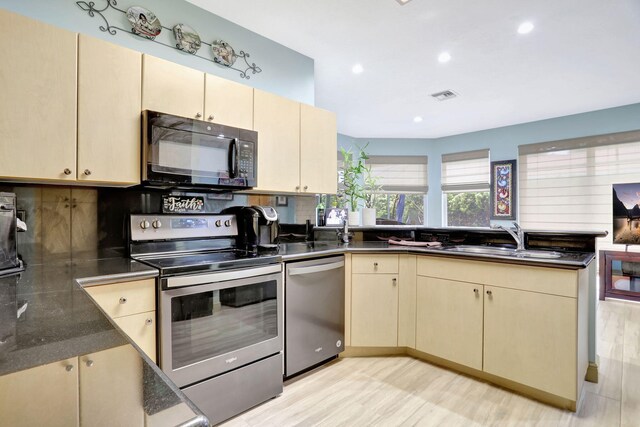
503	190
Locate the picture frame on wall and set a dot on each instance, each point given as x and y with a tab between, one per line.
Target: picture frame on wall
282	201
503	192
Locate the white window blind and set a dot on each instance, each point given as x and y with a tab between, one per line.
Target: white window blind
400	174
566	185
465	171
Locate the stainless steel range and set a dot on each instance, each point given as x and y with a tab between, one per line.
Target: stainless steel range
220	310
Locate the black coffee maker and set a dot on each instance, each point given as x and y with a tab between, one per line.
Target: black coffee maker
257	228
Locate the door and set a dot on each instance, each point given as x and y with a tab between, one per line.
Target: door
277	121
218	326
109	103
449	320
318	150
38	100
228	103
141	329
314	312
171	88
374	310
43	396
111	388
530	338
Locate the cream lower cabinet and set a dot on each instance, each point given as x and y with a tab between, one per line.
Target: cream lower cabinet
131	305
531	338
111	388
449	320
43	396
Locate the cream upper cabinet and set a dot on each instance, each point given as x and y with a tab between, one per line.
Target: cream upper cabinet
449	320
111	387
43	396
228	103
38	100
171	88
530	338
109	102
318	150
277	121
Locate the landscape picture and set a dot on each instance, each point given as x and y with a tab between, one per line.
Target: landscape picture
626	213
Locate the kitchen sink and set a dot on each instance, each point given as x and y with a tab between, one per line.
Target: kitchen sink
487	250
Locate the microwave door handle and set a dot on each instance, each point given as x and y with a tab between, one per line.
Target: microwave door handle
233	158
6	207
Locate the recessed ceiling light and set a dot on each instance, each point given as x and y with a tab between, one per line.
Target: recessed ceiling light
403	2
357	69
417	119
525	27
444	57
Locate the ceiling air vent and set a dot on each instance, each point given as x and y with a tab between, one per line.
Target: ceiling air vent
444	95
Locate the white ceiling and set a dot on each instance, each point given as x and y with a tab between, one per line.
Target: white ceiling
583	55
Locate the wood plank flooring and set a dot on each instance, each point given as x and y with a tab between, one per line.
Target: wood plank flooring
402	391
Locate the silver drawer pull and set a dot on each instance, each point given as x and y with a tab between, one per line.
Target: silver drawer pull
89	363
148	321
123	300
69	368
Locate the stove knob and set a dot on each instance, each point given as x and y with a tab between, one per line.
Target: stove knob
156	223
227	223
218	223
144	224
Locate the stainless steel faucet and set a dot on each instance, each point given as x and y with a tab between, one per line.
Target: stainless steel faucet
343	233
516	232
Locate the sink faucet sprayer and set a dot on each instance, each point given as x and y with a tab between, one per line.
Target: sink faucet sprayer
517	233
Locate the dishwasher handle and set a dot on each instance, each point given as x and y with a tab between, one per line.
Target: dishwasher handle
296	271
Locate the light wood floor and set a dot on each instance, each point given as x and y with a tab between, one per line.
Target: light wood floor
402	391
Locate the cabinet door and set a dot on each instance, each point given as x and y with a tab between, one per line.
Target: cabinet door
374	310
318	150
171	88
109	102
449	320
111	388
530	338
42	396
277	121
142	330
228	103
37	100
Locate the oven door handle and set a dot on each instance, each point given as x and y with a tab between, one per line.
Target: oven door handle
233	158
296	271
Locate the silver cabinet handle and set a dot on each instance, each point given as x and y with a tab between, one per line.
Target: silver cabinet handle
297	188
123	300
210	118
69	368
395	281
67	171
198	115
475	291
89	363
87	172
148	321
296	271
305	187
489	293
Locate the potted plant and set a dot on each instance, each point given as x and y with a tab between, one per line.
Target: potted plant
353	168
370	189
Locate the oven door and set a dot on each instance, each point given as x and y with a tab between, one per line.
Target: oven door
191	153
225	321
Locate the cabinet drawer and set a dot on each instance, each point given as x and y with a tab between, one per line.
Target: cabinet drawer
372	264
124	299
141	328
546	280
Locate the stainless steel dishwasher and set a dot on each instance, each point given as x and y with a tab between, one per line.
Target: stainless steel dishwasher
314	312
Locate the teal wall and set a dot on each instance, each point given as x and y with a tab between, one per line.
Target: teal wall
502	142
284	71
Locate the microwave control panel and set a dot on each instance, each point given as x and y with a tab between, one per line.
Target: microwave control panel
246	160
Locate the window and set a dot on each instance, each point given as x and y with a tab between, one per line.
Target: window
465	189
566	185
402	186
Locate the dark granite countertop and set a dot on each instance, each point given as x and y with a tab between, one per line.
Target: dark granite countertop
299	251
46	316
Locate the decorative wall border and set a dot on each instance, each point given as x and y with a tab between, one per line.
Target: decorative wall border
93	11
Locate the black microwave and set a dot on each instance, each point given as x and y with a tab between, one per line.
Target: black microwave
183	153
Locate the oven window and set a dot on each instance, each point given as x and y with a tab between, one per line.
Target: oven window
209	324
